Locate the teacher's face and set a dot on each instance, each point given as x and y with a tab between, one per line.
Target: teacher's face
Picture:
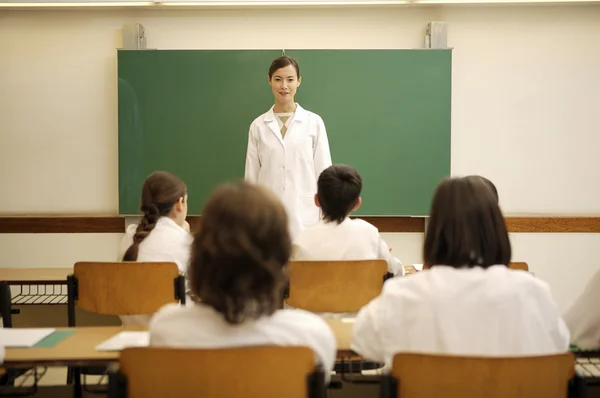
284	84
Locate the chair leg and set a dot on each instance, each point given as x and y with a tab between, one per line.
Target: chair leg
576	387
69	375
5	305
77	390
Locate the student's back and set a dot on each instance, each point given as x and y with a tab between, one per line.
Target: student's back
161	235
336	236
236	276
466	301
200	326
470	311
352	239
583	316
168	242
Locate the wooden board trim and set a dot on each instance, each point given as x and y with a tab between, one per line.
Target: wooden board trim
554	224
61	224
116	224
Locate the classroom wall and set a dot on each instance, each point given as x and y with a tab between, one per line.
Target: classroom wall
526	91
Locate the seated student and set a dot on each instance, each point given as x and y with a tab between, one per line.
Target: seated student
583	316
163	234
467	301
237	279
337	236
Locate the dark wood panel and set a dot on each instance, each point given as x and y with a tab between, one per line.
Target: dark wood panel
58	224
397	224
116	224
384	224
553	224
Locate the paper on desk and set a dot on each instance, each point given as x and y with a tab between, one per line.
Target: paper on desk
124	340
23	337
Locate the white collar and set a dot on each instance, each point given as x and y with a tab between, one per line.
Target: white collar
300	114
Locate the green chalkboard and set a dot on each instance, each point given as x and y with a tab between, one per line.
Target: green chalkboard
387	113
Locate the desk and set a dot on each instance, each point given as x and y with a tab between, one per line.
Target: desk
79	349
37	285
343	335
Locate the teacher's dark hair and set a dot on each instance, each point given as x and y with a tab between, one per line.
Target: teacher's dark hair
282	62
338	190
239	253
466	227
160	193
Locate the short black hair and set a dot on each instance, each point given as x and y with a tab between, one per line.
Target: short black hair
339	188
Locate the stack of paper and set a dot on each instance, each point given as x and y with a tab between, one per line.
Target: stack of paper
413	268
23	338
124	340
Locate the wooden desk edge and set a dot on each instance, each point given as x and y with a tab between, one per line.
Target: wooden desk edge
35	276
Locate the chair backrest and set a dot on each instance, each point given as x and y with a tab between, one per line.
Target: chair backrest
422	375
124	288
519	265
334	286
244	372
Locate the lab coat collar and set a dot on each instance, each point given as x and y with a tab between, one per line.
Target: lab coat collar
300	115
167	222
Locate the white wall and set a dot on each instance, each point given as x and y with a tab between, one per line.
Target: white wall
526	92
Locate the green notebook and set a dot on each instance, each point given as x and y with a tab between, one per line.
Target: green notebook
53	339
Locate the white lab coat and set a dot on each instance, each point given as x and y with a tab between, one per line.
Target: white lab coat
200	326
167	242
583	316
352	239
289	166
494	312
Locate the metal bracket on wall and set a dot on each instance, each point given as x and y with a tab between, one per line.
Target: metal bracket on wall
134	36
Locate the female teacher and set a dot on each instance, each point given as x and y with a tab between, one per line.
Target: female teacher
288	147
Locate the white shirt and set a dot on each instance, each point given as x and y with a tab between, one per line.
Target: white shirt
168	242
443	310
352	239
200	326
583	316
290	165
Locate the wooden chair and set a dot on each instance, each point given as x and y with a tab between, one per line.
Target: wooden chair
120	288
123	288
246	372
338	287
426	376
334	286
519	265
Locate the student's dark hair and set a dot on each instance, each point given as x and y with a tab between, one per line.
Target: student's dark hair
160	192
466	227
338	190
282	62
239	253
489	184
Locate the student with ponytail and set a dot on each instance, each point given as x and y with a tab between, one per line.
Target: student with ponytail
162	234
